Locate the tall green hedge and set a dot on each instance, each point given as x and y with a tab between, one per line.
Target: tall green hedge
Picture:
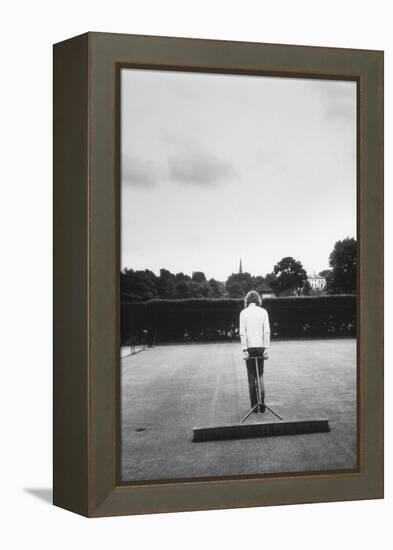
204	320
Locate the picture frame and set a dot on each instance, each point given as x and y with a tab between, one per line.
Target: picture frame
86	281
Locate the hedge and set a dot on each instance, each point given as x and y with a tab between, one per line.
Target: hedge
204	320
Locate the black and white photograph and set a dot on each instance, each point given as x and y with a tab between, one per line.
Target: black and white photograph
238	286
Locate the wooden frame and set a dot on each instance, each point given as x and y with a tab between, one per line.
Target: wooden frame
86	254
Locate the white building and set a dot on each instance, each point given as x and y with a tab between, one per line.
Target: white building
316	282
267	292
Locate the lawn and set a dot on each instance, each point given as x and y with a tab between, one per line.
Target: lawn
167	390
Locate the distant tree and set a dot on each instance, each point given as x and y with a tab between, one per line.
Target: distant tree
166	284
343	263
198	277
206	290
182	290
307	290
258	283
182	277
218	288
271	280
327	275
138	285
123	284
238	284
194	289
290	275
234	289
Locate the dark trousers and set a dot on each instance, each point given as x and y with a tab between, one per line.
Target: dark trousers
251	373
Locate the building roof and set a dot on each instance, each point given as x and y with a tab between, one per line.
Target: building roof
266	288
314	276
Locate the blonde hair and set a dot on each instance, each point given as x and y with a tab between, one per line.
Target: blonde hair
252	297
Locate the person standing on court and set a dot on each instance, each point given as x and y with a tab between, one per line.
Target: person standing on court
254	332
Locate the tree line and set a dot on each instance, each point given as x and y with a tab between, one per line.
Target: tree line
287	278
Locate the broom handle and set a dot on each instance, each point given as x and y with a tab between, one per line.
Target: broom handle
258	381
259	391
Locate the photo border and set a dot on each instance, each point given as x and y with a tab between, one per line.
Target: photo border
117	154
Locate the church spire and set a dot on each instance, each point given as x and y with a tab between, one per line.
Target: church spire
240	266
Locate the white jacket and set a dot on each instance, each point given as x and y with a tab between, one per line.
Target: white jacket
254	327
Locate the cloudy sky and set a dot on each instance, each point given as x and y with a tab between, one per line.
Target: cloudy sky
218	167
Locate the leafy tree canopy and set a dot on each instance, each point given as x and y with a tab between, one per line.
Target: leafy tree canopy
198	276
325	273
290	275
218	288
138	285
238	284
306	290
343	263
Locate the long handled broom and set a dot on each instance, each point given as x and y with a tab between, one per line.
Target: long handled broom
260	429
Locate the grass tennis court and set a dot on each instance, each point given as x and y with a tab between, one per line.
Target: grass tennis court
167	390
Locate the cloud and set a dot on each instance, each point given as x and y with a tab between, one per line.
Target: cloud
340	111
339	100
140	171
179	160
197	168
